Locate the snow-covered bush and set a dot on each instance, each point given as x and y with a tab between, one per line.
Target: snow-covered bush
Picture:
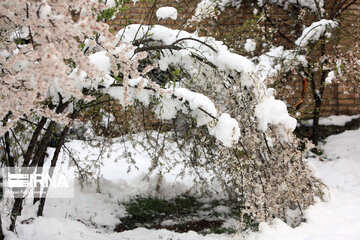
248	147
225	120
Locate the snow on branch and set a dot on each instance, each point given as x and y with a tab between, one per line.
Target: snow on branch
221	59
166	12
315	31
210	8
272	111
313	5
226	129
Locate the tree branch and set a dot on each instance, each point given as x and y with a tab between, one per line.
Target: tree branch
172	46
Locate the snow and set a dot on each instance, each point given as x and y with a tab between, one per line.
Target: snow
45	10
330	77
226	130
142	95
81	80
250	45
313	5
101	61
110	3
276	60
20	65
134	82
228	60
166	12
224	59
272	111
334	120
181	99
222	209
22	32
168	108
4	53
91	215
315	31
196	102
173	100
204	5
344	151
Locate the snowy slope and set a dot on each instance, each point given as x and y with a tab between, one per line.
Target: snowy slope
72	219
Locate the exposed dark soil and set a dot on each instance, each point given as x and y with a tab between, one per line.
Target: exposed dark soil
197	226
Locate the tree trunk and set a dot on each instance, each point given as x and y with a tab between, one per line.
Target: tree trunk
10	159
59	144
1	196
42	147
316	117
43	144
33	141
1	231
39	171
17	208
318	94
39	159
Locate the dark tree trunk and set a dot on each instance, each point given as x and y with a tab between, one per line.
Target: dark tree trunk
54	159
17	207
41	150
40	155
318	94
316	117
16	210
33	141
1	196
1	231
59	144
10	159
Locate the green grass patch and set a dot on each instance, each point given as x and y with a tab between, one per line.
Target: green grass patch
181	214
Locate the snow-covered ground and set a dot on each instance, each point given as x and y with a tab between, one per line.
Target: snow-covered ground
333	120
91	215
339	217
